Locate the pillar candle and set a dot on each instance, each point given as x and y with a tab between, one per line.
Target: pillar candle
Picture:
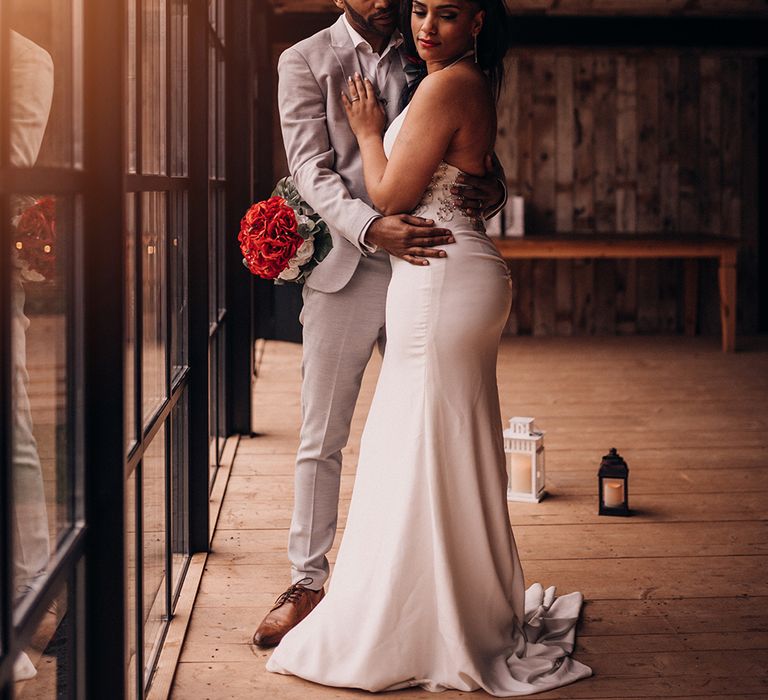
519	473
613	492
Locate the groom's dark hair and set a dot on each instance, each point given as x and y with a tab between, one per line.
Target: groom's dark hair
492	45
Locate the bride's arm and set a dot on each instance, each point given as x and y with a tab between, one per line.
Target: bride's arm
397	185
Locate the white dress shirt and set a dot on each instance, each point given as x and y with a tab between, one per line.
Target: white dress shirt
375	66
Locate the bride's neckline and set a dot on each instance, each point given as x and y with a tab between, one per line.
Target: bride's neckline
467	54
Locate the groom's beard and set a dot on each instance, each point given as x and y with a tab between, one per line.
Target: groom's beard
369	25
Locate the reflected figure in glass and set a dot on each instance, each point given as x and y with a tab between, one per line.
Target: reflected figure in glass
31	76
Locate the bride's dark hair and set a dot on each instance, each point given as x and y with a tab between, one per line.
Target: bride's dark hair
492	45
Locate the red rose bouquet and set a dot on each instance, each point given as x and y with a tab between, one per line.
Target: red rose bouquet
282	238
35	239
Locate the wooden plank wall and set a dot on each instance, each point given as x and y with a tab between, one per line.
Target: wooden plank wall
628	141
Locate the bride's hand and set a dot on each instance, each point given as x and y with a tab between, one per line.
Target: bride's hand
365	114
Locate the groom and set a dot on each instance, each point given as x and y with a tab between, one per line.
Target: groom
344	297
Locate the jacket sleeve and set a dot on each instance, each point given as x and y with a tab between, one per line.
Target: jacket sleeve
498	171
311	157
31	83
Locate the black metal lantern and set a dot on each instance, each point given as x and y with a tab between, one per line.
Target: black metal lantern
612	483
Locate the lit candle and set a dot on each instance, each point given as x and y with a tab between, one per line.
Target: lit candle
519	473
613	492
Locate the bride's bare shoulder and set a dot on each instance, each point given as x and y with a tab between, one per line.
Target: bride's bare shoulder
458	87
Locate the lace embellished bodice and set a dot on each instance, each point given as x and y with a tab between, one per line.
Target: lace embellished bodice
437	202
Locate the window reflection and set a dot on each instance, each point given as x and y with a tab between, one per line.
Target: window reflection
217	237
213	401
154	526
179	283
31	79
179	500
131	78
41	446
45	129
153	85
130	320
154	302
130	586
179	86
46	45
41	669
43	228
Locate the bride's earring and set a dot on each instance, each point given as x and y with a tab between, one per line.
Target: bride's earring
475	48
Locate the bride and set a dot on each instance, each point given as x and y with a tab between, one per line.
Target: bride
427	589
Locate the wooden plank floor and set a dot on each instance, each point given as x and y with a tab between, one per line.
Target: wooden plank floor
676	596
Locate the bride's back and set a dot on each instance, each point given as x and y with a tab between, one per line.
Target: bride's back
467	104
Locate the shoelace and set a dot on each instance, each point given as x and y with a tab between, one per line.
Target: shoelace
293	593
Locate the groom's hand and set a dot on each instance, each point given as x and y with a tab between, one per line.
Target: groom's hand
409	237
476	194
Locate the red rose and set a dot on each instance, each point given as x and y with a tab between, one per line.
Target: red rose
268	237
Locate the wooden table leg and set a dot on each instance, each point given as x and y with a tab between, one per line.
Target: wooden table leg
691	266
727	277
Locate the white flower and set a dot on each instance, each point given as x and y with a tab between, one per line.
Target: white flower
303	255
305	252
291	272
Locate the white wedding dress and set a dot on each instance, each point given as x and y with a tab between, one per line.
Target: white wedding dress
427	589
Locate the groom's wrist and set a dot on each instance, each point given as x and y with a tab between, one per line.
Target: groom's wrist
366	245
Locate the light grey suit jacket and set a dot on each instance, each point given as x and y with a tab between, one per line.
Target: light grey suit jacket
31	97
323	155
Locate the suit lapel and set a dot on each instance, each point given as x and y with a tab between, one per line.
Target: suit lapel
395	85
344	49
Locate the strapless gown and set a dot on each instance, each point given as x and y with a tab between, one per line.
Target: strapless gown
427	589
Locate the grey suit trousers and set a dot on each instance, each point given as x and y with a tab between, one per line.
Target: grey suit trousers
30	517
340	332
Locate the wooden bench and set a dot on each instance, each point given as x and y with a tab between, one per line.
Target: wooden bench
623	245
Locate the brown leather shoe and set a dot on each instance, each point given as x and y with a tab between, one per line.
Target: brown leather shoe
290	609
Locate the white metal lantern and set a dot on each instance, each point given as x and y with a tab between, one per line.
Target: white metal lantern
524	447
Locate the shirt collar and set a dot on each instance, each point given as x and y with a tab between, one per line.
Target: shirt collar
394	41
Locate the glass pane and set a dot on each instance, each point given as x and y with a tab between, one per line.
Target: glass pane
223	241
46	83
179	284
153	289
179	87
153	571
220	27
179	501
221	418
77	83
213	217
41	669
153	86
212	112
41	285
130	587
213	386
220	122
130	118
130	321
